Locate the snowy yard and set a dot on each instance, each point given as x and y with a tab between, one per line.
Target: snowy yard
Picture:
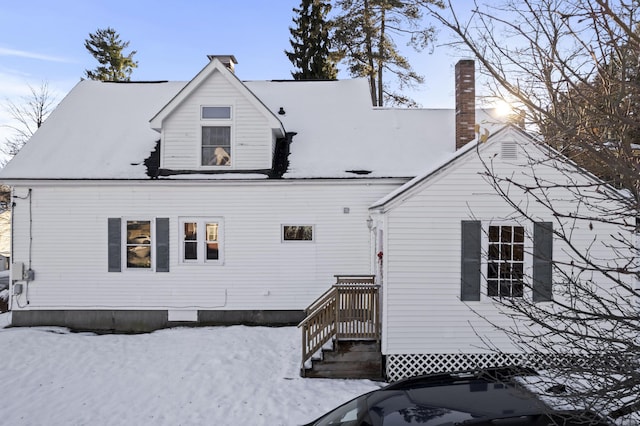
186	376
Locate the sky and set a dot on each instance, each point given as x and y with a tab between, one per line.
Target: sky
43	41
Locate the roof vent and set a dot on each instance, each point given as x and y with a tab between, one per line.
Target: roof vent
509	150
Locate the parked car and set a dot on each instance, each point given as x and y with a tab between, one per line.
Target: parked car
4	280
4	291
490	397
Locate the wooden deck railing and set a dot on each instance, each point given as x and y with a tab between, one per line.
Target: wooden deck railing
348	310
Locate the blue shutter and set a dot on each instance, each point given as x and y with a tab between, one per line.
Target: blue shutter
114	240
542	261
162	244
471	255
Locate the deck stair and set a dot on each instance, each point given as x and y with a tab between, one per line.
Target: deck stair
341	332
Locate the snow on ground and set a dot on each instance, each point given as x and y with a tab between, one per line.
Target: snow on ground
183	376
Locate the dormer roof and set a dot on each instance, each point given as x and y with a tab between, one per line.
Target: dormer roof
215	65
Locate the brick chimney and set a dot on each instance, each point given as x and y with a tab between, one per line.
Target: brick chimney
465	102
228	61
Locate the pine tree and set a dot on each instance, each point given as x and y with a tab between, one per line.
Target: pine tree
105	45
364	32
310	43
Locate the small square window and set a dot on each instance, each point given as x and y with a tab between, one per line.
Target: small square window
297	233
216	112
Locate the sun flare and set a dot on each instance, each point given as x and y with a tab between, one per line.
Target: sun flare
504	108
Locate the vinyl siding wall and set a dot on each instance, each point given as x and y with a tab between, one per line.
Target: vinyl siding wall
251	137
422	308
68	249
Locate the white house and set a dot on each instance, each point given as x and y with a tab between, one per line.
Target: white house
138	206
454	246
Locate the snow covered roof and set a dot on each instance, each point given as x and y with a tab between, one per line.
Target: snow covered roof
339	131
98	131
102	131
495	132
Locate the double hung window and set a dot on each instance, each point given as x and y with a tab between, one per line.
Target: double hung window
505	261
201	240
216	136
138	244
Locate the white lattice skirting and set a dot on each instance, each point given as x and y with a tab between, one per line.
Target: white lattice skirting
408	365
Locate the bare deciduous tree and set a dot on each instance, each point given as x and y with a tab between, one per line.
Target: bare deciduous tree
573	70
27	115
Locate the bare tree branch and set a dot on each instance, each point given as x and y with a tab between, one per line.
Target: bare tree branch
572	68
27	115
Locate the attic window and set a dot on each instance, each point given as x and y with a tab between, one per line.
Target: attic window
216	112
216	146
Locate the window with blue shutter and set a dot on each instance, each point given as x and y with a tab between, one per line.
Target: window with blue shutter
140	248
505	261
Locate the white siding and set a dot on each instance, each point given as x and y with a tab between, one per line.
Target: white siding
69	243
422	308
251	136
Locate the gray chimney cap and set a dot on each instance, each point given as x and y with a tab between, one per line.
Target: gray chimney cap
223	58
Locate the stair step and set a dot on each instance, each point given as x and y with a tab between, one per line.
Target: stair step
362	366
349	360
356	375
356	346
351	356
371	371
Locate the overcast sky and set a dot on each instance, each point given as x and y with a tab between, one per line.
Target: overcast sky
44	41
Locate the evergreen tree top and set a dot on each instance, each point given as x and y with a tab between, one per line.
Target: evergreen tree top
105	45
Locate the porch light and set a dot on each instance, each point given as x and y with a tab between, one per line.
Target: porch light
369	223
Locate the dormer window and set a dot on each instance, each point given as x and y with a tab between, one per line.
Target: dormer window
216	138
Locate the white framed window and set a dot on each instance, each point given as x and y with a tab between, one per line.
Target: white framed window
505	260
138	244
201	240
303	233
216	135
216	146
215	113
